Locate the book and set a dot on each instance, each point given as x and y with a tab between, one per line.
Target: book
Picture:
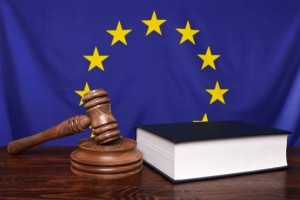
189	151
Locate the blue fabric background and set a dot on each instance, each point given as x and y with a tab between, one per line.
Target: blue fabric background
153	79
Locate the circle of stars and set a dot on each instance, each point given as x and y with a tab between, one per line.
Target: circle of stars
154	24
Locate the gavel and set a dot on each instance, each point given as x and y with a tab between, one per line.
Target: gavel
99	117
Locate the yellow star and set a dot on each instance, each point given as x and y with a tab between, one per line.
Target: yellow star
187	33
92	134
154	24
204	119
119	34
81	93
96	60
217	93
208	59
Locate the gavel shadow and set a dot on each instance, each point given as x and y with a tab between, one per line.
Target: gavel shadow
45	155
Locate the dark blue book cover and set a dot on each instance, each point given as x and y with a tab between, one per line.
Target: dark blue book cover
184	132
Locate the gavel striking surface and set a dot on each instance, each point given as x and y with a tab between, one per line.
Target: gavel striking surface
119	159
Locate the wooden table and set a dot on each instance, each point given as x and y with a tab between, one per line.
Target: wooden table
43	172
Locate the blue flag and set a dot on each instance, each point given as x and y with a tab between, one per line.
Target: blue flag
160	62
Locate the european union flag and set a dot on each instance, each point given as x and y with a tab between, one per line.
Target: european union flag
160	61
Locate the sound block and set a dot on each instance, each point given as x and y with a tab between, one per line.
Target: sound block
117	159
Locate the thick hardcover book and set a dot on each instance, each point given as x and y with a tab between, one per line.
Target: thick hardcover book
189	151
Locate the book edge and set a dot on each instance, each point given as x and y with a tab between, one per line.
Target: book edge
216	176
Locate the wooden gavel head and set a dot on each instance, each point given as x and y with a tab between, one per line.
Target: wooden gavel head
103	123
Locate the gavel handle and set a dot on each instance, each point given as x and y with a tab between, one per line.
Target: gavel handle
68	127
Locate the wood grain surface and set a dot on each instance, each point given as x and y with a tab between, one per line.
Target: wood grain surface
44	173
